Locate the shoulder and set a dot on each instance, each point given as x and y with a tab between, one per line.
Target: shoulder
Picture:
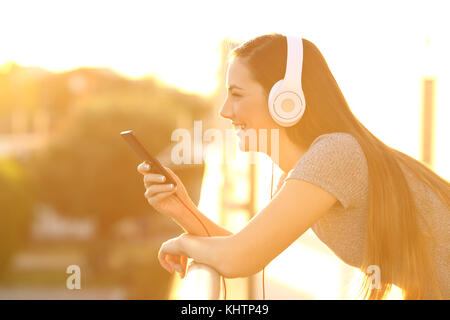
335	150
335	162
336	142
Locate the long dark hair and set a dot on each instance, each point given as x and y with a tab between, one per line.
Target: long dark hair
394	240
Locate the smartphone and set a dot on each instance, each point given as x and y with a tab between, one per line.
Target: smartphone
156	166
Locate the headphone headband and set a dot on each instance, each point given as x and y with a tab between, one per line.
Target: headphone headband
286	99
292	77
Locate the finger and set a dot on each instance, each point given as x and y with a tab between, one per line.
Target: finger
163	262
183	262
173	258
144	167
174	176
155	199
154	189
174	261
150	178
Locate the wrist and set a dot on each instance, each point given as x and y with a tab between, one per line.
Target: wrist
183	245
192	222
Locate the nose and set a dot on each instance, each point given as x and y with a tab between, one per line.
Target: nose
226	111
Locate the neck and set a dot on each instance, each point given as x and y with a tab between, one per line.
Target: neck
288	154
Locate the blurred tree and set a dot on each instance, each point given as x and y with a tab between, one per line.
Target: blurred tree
63	93
90	172
16	204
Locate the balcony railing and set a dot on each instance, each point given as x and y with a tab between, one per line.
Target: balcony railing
201	283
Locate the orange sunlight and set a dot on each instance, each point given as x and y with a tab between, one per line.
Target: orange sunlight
379	64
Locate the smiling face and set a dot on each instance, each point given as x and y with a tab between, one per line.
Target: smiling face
246	104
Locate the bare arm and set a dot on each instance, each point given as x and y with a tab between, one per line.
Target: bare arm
296	207
294	210
191	225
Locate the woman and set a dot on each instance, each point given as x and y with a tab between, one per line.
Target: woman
370	204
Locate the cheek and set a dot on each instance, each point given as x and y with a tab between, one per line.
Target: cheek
254	112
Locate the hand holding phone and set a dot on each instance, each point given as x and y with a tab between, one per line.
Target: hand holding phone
158	191
176	207
155	165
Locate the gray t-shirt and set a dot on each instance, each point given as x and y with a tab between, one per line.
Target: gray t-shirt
336	163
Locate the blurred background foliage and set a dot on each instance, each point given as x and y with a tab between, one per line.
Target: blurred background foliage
16	200
82	170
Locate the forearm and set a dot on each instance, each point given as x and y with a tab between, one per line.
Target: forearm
215	252
193	226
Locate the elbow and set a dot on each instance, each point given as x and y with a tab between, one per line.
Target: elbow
237	268
233	262
229	269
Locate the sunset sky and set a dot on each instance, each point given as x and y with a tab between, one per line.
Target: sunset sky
172	39
375	49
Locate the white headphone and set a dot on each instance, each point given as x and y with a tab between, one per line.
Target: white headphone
286	99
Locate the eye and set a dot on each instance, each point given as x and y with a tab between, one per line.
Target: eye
235	95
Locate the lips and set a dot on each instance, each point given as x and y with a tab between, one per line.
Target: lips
240	126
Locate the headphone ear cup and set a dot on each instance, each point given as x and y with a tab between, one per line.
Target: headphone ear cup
277	111
272	95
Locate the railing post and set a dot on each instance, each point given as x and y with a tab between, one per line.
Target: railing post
201	283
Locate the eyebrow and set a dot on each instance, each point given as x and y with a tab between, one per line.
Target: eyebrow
234	87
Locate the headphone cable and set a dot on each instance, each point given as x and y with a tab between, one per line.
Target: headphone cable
271	196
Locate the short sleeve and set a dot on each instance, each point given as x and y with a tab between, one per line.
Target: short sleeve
336	163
